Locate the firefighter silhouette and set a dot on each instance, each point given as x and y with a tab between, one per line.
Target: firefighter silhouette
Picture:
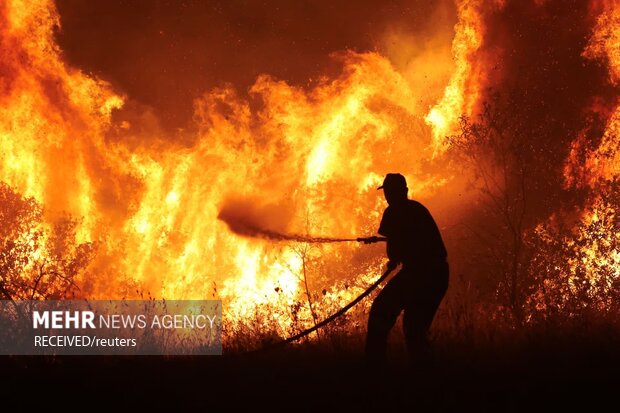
414	241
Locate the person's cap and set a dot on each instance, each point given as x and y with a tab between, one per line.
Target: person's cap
394	181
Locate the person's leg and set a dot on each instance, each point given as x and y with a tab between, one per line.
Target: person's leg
429	290
383	314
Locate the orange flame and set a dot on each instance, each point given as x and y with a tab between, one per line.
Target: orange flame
309	159
595	241
462	91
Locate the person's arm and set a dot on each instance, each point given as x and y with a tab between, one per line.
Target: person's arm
393	248
393	255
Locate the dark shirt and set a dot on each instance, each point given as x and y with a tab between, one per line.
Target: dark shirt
413	236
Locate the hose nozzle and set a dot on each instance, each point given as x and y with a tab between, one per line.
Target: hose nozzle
371	240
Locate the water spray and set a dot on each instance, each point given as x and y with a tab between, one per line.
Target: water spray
245	226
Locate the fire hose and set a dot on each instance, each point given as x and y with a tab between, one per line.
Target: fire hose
343	310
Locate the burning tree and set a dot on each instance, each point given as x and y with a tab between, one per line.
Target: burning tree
577	260
495	147
540	260
37	261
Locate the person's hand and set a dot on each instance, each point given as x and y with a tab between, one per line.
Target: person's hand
369	240
391	265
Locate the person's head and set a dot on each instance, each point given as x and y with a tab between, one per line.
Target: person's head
394	188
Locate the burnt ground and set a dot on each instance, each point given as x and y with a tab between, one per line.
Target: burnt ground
541	374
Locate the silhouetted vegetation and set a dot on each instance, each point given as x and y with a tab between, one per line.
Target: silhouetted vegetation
37	260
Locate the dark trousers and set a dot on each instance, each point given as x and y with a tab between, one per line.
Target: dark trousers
417	291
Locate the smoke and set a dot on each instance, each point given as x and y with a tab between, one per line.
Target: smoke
181	49
246	219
